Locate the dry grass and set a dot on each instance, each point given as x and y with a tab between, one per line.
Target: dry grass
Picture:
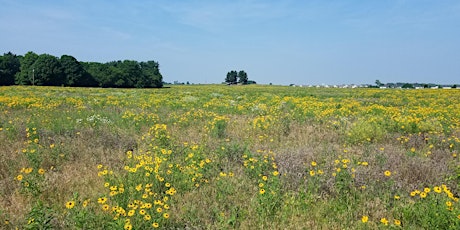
324	201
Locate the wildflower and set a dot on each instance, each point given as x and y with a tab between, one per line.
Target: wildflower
364	163
166	215
19	177
261	191
28	170
387	173
422	195
106	184
397	222
313	163
265	178
449	204
364	219
131	212
102	200
147	217
155	225
41	171
437	189
70	204
426	190
261	185
85	203
384	221
312	172
159	209
275	173
105	207
142	212
397	197
128	226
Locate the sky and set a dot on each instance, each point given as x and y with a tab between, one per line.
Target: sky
279	42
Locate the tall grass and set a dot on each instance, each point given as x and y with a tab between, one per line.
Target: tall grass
217	157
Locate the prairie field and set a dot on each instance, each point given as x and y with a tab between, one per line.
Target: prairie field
229	157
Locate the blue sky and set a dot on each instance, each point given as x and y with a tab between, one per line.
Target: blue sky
279	42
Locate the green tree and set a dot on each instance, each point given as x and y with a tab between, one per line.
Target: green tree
232	77
75	74
151	76
131	73
9	66
25	76
408	86
243	77
101	73
48	71
378	83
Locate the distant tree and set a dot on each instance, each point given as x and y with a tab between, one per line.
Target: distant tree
100	72
9	66
378	83
242	77
75	74
407	86
48	71
232	77
454	86
25	76
151	76
251	82
130	74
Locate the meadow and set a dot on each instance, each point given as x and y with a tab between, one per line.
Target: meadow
229	157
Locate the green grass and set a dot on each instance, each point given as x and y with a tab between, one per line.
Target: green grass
218	157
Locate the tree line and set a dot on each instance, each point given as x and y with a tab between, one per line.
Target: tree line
48	70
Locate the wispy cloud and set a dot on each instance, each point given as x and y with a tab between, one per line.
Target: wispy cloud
218	16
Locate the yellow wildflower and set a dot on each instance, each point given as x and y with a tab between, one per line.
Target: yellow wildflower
70	204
